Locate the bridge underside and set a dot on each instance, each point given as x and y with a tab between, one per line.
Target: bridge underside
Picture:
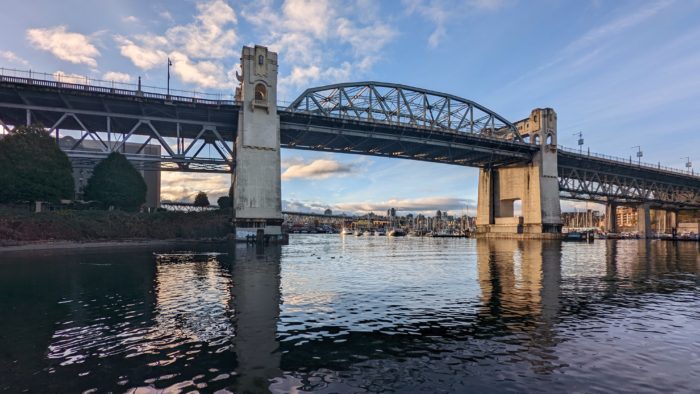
311	132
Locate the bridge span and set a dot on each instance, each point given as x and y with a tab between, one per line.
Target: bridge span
242	136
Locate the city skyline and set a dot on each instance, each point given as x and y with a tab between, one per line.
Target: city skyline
642	55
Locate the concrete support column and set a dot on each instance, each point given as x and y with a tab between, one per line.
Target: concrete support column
611	217
672	219
484	208
257	198
534	183
643	221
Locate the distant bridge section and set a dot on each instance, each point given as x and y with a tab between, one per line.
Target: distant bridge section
592	177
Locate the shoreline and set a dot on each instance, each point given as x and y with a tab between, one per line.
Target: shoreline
65	244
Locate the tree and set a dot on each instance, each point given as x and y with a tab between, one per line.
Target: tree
115	182
201	200
33	167
224	202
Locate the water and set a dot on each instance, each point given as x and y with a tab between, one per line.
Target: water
354	314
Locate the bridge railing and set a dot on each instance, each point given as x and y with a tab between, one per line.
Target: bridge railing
628	161
87	84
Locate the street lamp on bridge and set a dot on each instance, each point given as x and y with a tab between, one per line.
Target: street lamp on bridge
169	64
580	141
639	154
688	164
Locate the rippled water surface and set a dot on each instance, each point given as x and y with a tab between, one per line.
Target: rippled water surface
355	314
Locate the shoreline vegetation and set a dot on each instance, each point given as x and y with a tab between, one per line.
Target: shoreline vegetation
24	230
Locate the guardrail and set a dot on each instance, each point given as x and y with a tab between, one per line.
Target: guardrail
86	84
629	161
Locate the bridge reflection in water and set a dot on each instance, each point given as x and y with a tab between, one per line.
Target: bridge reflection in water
344	315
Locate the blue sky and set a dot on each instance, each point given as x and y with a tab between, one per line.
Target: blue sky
624	73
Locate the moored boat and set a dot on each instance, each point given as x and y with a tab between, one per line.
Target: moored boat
397	232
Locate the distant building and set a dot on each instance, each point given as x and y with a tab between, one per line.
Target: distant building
328	212
83	172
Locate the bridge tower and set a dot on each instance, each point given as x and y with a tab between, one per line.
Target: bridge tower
257	197
535	184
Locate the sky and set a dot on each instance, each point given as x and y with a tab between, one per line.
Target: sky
623	73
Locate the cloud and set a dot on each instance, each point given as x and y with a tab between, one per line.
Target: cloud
130	19
70	78
116	76
618	25
206	74
209	36
425	205
440	13
318	169
321	41
71	47
183	187
11	57
145	55
197	49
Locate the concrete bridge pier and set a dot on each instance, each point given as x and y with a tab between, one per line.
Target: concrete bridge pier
534	184
611	217
644	220
257	198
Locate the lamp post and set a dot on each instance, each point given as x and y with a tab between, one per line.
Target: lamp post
169	64
688	164
639	154
580	142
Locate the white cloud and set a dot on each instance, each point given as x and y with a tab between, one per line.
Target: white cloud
71	47
197	49
130	19
317	169
440	13
183	187
424	205
116	76
70	78
618	25
146	55
209	36
11	57
322	40
206	74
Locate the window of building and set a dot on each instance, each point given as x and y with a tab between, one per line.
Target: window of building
260	92
261	60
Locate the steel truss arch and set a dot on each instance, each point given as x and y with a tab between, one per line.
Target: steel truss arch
391	103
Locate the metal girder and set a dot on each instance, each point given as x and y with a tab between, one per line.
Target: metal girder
93	144
404	105
591	185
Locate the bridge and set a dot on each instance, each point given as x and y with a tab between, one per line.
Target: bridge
243	134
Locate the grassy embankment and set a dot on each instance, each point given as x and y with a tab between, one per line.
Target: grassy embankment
18	226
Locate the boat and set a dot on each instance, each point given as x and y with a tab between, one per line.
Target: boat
368	232
381	232
357	233
396	232
345	231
